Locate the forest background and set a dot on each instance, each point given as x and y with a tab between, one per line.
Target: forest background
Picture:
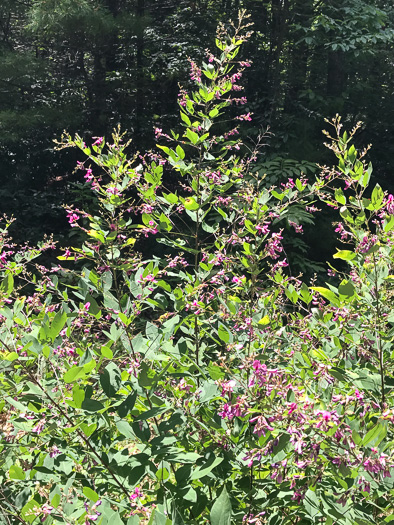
87	65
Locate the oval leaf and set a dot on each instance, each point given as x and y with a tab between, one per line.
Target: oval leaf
221	510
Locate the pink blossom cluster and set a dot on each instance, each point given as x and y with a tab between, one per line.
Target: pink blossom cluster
367	242
195	72
274	246
178	260
246	116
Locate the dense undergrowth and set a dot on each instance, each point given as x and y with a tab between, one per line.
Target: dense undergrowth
206	384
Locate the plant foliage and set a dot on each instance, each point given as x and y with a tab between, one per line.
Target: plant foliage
204	384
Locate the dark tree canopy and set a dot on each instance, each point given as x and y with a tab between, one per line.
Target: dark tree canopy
87	65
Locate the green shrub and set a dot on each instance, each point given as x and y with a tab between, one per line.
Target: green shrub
205	384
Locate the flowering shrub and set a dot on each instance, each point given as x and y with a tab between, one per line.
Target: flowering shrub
204	384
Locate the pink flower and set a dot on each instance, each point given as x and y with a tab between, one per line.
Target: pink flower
261	425
292	408
136	494
46	509
246	116
274	246
390	205
54	452
326	417
230	411
227	387
359	395
72	217
297	227
195	72
113	191
88	175
39	427
262	229
367	243
98	142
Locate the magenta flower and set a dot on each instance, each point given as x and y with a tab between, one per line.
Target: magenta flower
261	425
72	217
54	452
227	387
89	175
99	141
390	205
246	117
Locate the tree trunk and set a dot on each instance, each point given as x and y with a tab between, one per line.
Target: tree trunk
279	27
336	74
139	103
302	14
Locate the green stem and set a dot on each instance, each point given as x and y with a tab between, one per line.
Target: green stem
378	316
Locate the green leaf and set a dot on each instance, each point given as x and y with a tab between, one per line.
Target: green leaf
214	112
377	433
364	181
346	288
389	224
90	494
377	197
183	457
55	501
92	405
127	405
15	403
125	429
88	429
78	395
76	372
162	474
356	437
170	197
106	352
185	119
192	136
223	333
221	510
27	512
111	380
311	503
215	371
16	472
327	294
12	356
57	324
277	451
339	196
205	469
180	152
7	284
346	215
113	518
345	255
176	516
190	204
209	390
